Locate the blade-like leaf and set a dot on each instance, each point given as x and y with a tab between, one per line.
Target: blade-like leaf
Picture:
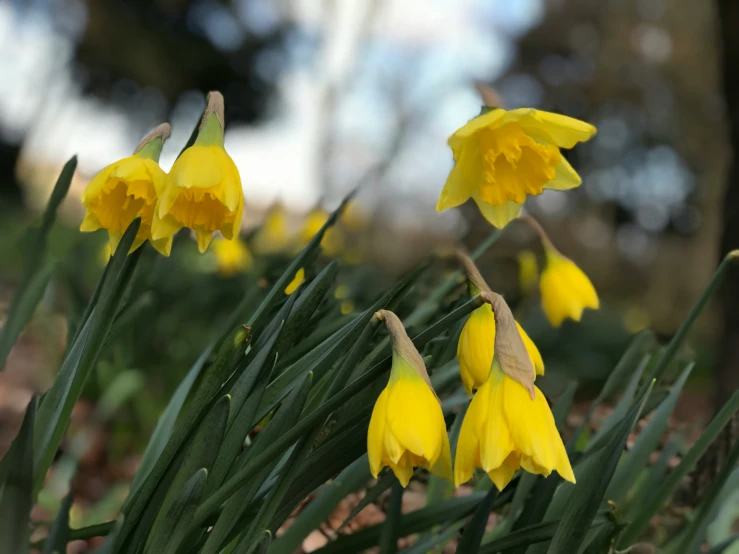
659	497
475	529
385	481
388	542
59	532
348	481
35	274
17	499
178	516
200	454
592	480
637	459
56	407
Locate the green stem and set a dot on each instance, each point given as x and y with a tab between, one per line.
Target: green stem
669	352
431	304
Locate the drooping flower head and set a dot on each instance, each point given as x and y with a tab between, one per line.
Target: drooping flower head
203	189
502	157
505	429
407	428
479	337
528	271
127	189
274	236
565	289
232	256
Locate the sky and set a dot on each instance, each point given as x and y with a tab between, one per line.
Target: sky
418	59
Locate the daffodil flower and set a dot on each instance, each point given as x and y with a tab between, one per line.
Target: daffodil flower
127	189
232	256
407	428
502	157
505	429
565	289
203	189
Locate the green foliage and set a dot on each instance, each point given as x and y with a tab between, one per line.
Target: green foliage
276	406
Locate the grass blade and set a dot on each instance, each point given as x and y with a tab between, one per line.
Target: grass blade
389	535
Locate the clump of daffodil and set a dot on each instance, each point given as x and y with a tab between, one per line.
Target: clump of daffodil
232	256
565	289
331	243
127	189
407	428
478	340
296	282
506	428
203	190
502	157
273	235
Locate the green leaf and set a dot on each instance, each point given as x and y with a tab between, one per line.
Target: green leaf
212	379
59	533
433	541
413	522
659	497
638	457
260	546
178	515
629	362
236	502
200	453
56	407
17	487
473	532
593	477
301	260
35	274
348	481
527	536
691	539
385	481
388	542
166	423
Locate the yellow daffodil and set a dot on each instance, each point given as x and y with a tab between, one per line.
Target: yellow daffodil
528	271
273	235
565	290
331	242
296	282
502	157
476	348
407	428
504	429
203	189
232	256
128	189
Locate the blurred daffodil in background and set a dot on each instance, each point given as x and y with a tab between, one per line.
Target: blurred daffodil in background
127	189
528	271
274	234
331	243
203	189
505	429
233	256
502	157
407	428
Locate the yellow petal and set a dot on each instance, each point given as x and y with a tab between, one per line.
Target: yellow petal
502	475
565	290
204	238
376	433
567	178
198	166
403	473
495	440
565	131
97	183
476	348
89	223
443	466
533	351
463	179
414	417
497	216
485	121
163	245
467	455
